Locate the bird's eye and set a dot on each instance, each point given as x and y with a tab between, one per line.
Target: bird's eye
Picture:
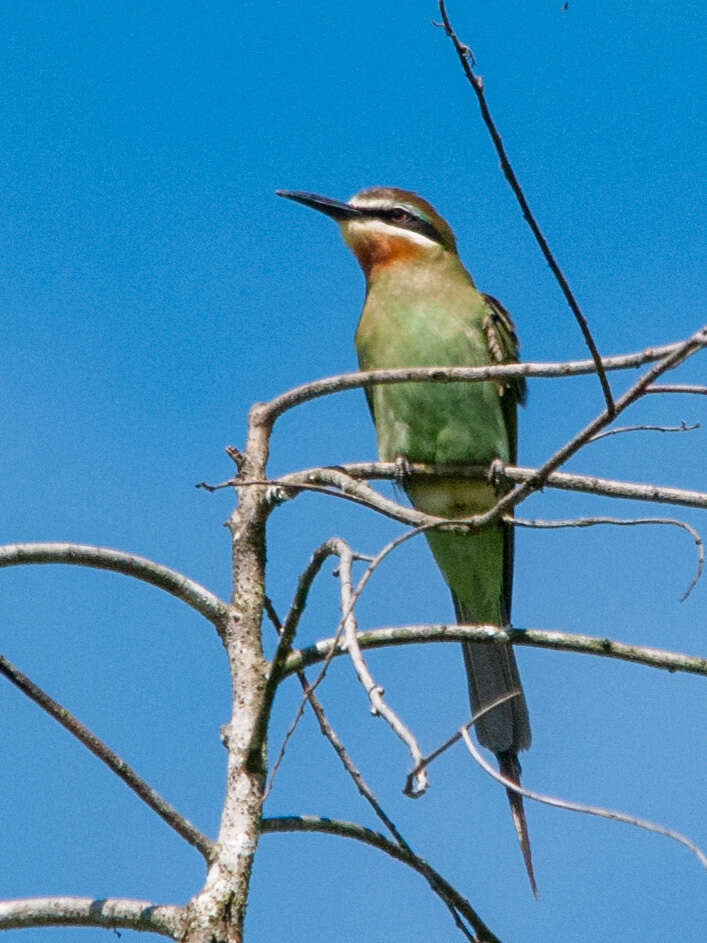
399	215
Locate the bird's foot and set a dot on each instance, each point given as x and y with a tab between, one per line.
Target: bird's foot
276	494
496	476
403	470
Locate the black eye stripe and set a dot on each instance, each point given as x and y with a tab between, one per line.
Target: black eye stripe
409	221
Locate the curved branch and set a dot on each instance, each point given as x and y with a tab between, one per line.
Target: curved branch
441	887
108	912
535	638
622	522
176	584
267	413
611	814
683	427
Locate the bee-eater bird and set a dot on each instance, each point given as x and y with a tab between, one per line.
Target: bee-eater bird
423	309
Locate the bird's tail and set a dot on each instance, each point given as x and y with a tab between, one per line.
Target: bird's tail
510	768
492	672
481	567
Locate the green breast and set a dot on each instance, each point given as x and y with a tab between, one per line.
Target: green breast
407	322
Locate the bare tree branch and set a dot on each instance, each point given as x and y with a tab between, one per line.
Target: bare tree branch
353	380
333	545
463	53
681	353
121	769
330	734
374	691
287	632
111	912
457	735
623	522
217	911
492	634
441	887
677	388
578	806
683	427
347	625
105	558
342	481
361	785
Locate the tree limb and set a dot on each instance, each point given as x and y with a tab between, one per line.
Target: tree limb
441	887
353	380
176	584
344	478
491	634
111	912
464	54
579	806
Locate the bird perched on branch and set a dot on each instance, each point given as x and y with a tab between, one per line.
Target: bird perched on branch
423	309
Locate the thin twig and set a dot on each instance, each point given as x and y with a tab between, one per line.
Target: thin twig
677	388
330	734
622	522
362	786
328	731
391	636
138	785
364	789
176	584
286	633
374	691
476	83
219	486
300	599
580	807
110	912
441	887
683	427
681	353
457	735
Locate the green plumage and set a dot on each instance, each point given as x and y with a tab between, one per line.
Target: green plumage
430	314
422	309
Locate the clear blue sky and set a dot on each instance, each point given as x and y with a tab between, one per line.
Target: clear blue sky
152	287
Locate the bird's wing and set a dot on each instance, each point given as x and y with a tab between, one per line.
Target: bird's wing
503	347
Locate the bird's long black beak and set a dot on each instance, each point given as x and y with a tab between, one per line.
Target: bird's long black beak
334	208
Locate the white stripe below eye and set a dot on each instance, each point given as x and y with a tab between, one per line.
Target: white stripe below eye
381	228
